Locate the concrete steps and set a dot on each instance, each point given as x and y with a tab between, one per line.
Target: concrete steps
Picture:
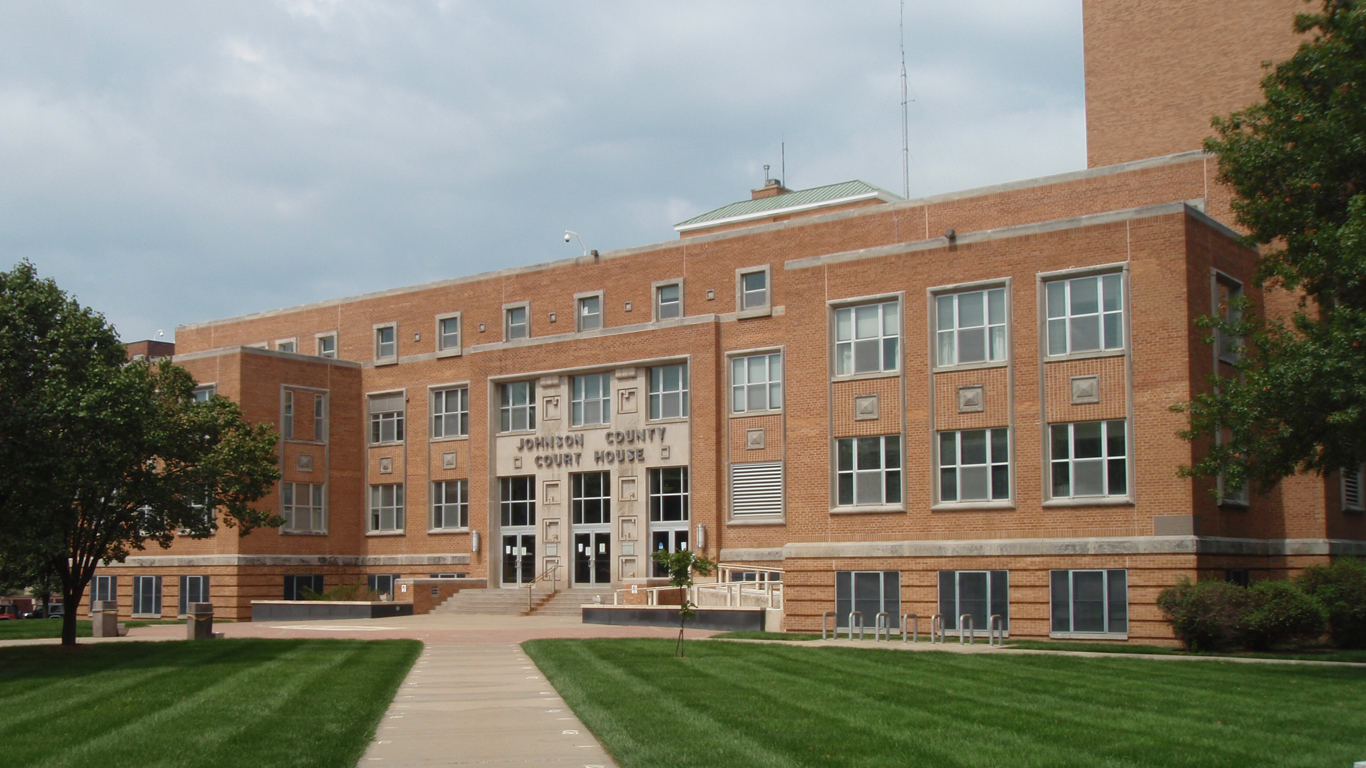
569	602
513	602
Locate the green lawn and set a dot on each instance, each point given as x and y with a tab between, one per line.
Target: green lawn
220	703
37	629
1304	654
747	704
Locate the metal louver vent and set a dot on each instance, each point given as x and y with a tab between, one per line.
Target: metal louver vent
386	403
756	489
1351	488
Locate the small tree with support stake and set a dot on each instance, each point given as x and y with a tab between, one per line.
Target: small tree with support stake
681	566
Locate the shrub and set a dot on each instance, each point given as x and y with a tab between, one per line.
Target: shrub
1341	589
1277	612
1204	615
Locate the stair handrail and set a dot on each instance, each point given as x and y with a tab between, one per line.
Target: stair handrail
548	573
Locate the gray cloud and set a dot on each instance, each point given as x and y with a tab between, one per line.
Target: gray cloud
179	162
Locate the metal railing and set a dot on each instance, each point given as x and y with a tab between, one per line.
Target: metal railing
970	629
996	629
548	574
882	622
915	623
852	614
834	622
937	628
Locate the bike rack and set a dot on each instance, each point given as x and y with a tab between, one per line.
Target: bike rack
882	623
852	614
996	628
834	621
915	623
937	628
971	630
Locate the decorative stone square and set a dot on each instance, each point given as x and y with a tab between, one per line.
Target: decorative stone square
386	465
628	490
552	550
628	306
304	462
628	547
550	408
754	439
628	529
971	399
627	400
551	495
1085	389
448	460
516	462
664	452
866	408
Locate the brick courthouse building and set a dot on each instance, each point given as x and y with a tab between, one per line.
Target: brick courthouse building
956	404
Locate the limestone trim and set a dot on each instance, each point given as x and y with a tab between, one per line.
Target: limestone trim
1118	545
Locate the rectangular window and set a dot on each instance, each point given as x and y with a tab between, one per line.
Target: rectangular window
381	583
386	507
668	302
193	589
591	401
203	394
1240	576
320	418
756	383
1351	489
287	420
974	465
386	418
103	588
1227	292
754	289
451	412
669	495
302	587
515	325
448	334
590	313
1090	458
327	346
450	504
979	594
868	471
386	343
590	497
1093	602
303	508
971	327
516	406
867	338
756	489
669	392
147	595
869	593
1085	314
290	346
517	501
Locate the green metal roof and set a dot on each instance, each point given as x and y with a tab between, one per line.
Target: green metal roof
801	199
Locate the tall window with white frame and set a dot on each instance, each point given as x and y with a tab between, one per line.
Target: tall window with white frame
669	391
1228	294
980	595
591	399
386	343
386	507
327	346
1085	314
515	323
1089	601
754	289
303	507
868	338
668	301
867	593
287	418
147	595
203	394
450	504
386	418
193	589
970	327
590	313
320	418
669	511
756	383
974	465
448	337
868	471
1090	459
103	588
516	406
450	412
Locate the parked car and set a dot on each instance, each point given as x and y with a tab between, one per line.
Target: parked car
55	612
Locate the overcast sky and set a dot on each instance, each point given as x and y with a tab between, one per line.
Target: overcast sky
178	162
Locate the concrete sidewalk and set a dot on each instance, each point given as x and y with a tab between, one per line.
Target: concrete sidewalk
480	704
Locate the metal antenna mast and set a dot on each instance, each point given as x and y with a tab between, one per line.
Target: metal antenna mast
905	125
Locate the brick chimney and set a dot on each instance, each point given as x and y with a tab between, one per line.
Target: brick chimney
771	188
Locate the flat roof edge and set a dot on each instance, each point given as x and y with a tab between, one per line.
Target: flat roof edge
871	195
220	351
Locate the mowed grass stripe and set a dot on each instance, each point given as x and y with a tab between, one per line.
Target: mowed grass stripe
835	706
217	703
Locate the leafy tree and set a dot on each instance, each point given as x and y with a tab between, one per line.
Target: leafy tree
681	565
101	455
31	574
1297	162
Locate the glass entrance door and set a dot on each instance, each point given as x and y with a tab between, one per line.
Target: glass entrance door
593	558
519	559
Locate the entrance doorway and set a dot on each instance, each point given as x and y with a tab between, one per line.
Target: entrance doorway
590	498
519	559
517	500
